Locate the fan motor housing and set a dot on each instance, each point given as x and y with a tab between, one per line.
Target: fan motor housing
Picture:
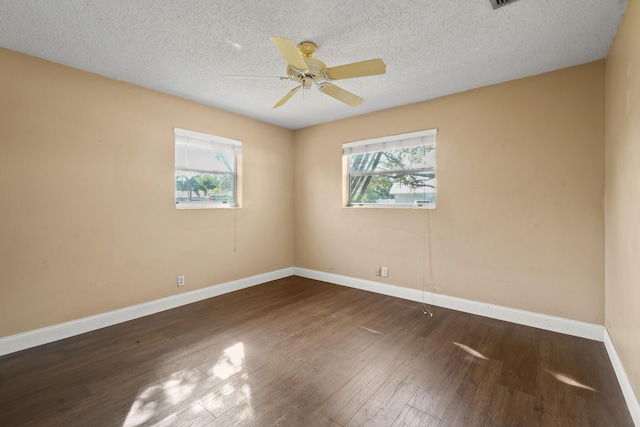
313	73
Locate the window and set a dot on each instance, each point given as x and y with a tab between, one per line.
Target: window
206	168
393	171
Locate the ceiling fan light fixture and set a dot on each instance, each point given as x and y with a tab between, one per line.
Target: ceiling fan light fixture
307	82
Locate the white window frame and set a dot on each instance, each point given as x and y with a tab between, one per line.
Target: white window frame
405	140
184	139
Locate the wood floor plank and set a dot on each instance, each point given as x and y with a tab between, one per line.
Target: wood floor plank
387	403
521	346
472	401
18	365
299	352
444	366
299	388
347	401
193	416
411	417
512	407
67	396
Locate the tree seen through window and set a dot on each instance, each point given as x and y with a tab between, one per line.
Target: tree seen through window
401	175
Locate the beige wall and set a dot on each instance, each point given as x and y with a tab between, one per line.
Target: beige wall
89	223
622	288
88	218
519	219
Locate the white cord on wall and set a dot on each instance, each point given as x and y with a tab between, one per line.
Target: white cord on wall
426	309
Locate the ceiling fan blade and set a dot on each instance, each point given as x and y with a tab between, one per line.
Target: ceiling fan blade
287	96
290	52
371	67
341	94
258	77
261	77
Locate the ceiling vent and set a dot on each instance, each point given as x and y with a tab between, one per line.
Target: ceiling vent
496	4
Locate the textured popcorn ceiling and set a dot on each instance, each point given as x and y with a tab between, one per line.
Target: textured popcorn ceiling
431	48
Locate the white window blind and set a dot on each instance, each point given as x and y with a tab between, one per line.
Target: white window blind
206	153
406	140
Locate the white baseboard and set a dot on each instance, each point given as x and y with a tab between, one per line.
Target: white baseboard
527	318
48	334
627	390
60	331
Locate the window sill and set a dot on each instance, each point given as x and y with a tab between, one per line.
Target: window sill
206	206
390	206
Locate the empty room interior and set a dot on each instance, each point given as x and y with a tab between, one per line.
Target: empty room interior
310	271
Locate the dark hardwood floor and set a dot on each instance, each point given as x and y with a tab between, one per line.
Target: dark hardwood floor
298	352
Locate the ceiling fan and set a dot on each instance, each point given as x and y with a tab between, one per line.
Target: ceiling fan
304	68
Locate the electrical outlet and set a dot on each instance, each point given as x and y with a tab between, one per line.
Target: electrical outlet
385	272
181	280
378	271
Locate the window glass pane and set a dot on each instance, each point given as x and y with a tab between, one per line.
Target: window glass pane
400	159
416	189
199	187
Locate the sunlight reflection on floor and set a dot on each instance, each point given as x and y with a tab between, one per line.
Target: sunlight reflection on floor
568	380
471	351
233	394
180	386
175	389
230	363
